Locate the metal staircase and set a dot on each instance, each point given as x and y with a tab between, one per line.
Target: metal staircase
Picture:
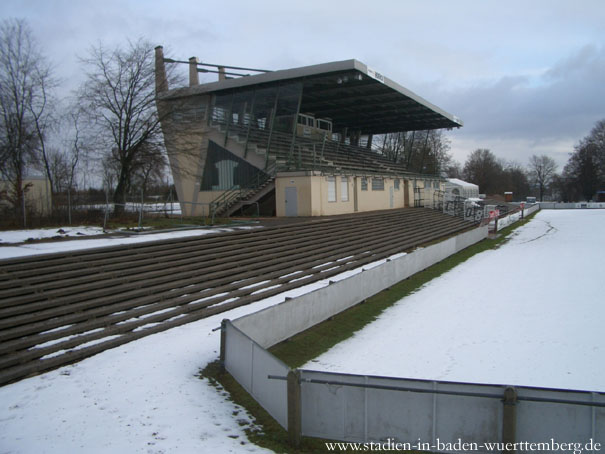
248	193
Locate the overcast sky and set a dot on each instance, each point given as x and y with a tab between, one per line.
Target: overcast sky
526	77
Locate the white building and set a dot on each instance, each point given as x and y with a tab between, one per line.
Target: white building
456	187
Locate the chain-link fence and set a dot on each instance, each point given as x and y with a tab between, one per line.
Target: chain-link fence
95	207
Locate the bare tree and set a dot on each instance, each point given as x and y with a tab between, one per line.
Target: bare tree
515	179
483	168
542	169
584	173
63	161
25	81
392	145
453	169
423	151
437	158
150	167
119	100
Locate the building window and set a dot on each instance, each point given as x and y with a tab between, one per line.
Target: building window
377	184
396	184
364	184
344	189
331	189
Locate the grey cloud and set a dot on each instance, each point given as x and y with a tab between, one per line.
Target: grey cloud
560	104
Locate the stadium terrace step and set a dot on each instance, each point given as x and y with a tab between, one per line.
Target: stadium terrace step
61	308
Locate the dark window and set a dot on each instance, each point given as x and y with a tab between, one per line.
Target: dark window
377	184
223	170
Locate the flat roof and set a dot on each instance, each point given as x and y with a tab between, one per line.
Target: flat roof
348	92
458	182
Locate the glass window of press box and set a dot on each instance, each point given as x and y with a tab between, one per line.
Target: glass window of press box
260	108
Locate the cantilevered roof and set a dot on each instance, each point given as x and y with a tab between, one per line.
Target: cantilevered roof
347	92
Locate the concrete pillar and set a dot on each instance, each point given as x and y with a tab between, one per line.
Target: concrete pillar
161	81
294	408
223	348
509	419
193	74
221	73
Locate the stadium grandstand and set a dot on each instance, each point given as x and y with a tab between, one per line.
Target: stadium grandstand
294	142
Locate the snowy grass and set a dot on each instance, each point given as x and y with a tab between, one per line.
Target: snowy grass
528	314
309	344
264	431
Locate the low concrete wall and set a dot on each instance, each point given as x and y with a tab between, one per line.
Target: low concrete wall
251	365
514	217
298	314
358	408
570	206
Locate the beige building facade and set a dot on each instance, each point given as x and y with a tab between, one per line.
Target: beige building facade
308	194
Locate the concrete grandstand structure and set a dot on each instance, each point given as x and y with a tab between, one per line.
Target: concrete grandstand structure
293	142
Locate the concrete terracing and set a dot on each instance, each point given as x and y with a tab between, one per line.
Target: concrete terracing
60	308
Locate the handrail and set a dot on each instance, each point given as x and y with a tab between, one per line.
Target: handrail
239	192
329	155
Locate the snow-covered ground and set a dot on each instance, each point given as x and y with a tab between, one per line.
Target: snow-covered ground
529	313
26	249
19	236
143	397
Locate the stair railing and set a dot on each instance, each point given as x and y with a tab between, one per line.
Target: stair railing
241	191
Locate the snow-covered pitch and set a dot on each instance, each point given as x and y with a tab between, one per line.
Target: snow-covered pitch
529	313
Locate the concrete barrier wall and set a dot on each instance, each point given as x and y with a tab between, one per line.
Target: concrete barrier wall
250	365
532	209
514	217
570	206
538	421
360	408
367	413
298	314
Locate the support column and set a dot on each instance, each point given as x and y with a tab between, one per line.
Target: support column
161	81
250	120
294	408
509	417
223	344
298	104
271	122
193	74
